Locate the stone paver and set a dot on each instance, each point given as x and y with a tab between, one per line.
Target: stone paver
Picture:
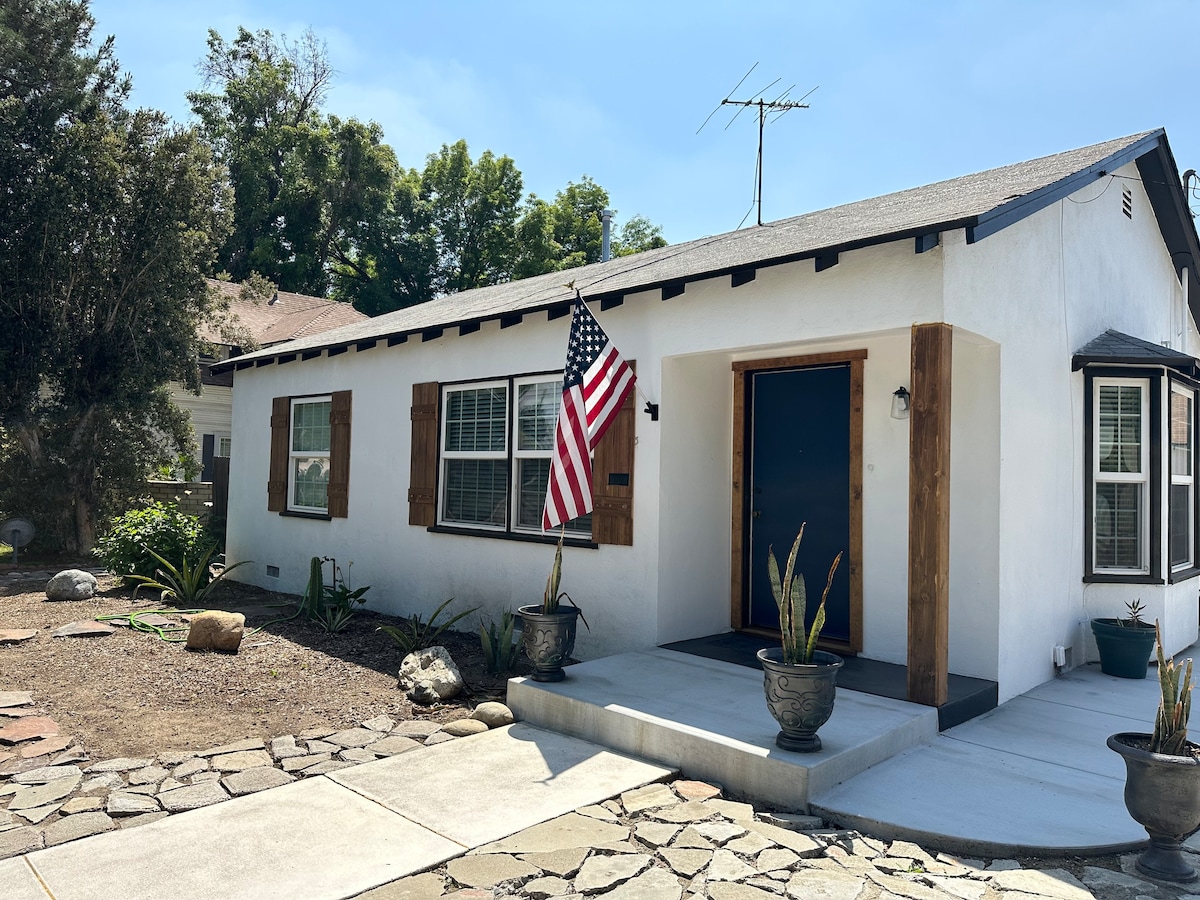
16	635
15	698
27	728
250	781
354	737
83	629
192	797
393	745
79	826
488	870
240	760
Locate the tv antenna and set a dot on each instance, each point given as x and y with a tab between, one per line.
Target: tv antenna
779	106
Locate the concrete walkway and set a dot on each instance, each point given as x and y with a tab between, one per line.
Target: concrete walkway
340	834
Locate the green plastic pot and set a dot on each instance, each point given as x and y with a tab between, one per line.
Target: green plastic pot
1124	649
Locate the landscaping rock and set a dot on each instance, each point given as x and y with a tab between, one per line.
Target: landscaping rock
126	803
250	781
71	584
83	629
19	840
80	826
16	635
193	796
464	727
216	630
493	714
429	676
28	728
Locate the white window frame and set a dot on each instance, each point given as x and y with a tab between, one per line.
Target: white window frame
1141	478
445	455
1182	478
224	443
512	454
306	454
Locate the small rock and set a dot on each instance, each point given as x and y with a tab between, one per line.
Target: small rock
696	790
250	781
19	840
430	676
393	745
77	805
193	796
439	737
71	585
83	629
16	635
126	803
464	727
242	759
381	724
79	826
216	630
357	755
493	714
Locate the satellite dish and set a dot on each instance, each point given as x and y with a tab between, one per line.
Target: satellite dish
16	533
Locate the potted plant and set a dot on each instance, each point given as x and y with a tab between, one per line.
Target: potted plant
798	679
1124	644
548	628
1162	774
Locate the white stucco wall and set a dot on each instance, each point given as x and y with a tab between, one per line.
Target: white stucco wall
1021	302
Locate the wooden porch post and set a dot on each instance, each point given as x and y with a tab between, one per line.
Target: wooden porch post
929	515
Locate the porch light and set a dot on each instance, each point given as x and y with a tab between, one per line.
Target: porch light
901	401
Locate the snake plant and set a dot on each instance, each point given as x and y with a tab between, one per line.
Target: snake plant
792	599
1170	724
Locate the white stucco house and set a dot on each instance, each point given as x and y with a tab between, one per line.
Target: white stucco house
1040	317
283	317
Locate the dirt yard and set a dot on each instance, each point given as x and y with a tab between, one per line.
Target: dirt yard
132	694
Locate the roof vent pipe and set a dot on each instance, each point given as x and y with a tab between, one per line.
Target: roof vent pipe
606	239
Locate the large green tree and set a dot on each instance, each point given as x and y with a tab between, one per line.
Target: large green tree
108	220
305	183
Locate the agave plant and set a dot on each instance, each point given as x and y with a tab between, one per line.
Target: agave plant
1170	724
416	634
188	584
499	651
792	599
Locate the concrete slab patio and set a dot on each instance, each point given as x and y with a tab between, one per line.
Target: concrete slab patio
326	838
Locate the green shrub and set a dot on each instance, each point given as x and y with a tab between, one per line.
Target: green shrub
160	527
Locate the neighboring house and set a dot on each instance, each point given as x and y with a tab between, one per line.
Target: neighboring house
1041	315
282	318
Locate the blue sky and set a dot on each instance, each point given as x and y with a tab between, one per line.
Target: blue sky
908	93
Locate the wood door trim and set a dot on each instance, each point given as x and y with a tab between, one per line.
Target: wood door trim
740	476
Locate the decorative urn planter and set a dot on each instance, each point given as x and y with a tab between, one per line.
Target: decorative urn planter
548	639
1124	648
800	697
1162	794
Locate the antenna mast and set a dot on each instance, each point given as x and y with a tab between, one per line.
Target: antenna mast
780	105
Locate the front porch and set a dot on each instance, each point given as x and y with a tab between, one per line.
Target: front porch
1031	777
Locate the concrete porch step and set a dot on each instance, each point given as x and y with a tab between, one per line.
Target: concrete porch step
709	719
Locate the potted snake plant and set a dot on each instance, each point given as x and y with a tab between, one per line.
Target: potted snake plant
548	628
798	679
1162	774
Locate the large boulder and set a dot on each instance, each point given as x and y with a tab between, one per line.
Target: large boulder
428	676
216	630
72	584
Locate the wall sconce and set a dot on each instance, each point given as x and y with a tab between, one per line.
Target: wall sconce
901	402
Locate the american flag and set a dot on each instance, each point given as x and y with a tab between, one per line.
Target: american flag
596	382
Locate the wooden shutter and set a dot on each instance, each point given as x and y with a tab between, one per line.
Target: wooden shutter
422	479
281	409
338	490
612	479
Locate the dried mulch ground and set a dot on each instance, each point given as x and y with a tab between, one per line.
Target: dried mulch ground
132	694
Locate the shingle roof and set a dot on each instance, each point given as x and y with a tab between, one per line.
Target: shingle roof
1115	347
982	203
285	316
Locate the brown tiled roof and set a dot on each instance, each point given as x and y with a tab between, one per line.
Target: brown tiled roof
285	317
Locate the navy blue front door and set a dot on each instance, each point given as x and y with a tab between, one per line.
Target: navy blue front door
800	472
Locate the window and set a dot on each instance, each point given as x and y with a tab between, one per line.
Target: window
497	440
1141	501
1181	503
1120	475
310	456
308	469
224	443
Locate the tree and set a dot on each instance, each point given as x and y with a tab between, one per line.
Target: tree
109	220
636	235
305	185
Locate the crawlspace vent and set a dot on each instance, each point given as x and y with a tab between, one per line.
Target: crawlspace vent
1127	203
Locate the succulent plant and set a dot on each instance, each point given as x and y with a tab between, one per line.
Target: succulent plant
792	599
1170	724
